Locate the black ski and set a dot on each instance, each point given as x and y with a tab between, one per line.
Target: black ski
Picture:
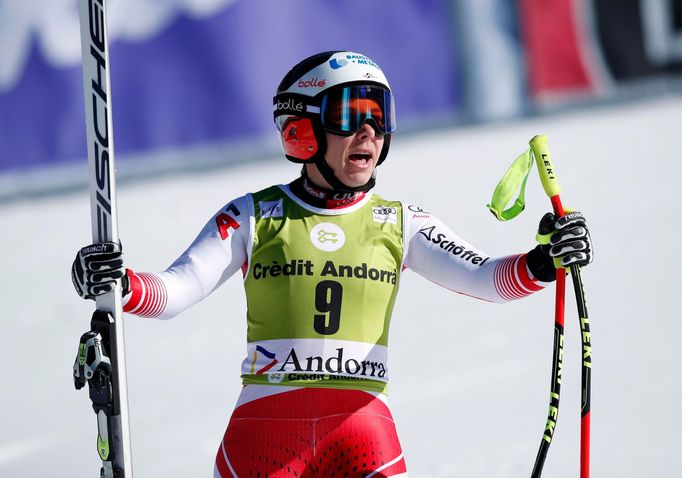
101	354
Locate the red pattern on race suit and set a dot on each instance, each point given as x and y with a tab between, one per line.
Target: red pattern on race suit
148	295
512	279
310	433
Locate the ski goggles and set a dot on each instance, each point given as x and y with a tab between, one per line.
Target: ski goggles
344	110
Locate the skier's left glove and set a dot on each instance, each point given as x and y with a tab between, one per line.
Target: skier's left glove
563	242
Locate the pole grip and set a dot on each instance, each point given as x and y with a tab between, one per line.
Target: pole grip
543	158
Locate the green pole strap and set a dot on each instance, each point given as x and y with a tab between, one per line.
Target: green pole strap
516	176
513	180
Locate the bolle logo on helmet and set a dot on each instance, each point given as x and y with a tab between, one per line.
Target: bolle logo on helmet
312	83
289	105
336	64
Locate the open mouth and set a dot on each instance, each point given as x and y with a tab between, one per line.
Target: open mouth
360	156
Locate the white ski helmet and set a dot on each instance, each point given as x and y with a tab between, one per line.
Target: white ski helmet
335	92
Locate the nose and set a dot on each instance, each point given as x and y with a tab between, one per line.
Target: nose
366	132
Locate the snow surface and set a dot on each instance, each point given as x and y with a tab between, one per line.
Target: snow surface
470	380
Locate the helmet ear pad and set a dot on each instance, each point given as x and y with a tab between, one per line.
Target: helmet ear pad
301	140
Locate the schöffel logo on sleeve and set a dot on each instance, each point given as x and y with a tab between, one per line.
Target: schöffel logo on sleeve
441	240
385	214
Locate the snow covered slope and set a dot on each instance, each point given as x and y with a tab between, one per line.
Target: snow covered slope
470	379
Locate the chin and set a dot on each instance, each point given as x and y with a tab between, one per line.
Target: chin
355	181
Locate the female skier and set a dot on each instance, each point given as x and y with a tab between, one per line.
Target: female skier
321	258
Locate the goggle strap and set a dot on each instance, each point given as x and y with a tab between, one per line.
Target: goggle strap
293	104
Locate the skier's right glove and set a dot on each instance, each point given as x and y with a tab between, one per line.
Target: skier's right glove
96	269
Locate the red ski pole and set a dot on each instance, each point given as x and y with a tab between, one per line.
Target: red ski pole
551	186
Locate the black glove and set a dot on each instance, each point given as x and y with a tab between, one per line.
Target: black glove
563	242
96	269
